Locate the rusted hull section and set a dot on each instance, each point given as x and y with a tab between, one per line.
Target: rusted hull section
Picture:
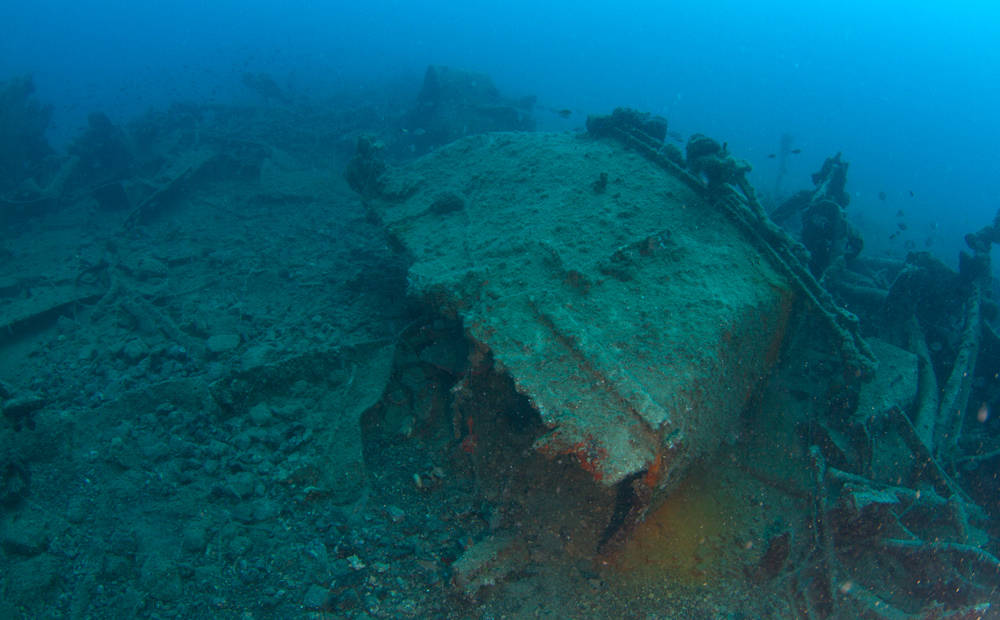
634	314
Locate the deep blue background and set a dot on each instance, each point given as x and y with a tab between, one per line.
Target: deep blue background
907	90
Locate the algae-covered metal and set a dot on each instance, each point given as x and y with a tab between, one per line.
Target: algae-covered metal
634	312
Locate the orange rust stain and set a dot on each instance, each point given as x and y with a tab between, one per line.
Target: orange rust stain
468	444
470	441
588	453
654	472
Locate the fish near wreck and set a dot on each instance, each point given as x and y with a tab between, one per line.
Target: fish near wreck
616	335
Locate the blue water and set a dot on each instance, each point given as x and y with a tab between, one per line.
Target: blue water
908	91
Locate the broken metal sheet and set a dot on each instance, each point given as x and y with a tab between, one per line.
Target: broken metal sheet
630	310
149	196
44	302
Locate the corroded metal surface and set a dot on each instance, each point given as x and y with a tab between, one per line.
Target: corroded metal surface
636	316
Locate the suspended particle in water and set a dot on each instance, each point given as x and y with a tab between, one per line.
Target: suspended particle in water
984	413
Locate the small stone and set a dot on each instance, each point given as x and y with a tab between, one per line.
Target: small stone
240	545
447	202
147	267
122	453
265	510
115	567
222	343
260	414
349	599
79	509
195	537
134	350
339	569
256	355
317	550
25	537
355	562
242	484
177	352
243	513
14	483
159	577
407	607
395	513
317	597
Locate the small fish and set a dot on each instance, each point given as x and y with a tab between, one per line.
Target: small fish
564	113
911	193
771	155
928	242
894	235
902	225
795	151
676	136
882	196
910	244
900	213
